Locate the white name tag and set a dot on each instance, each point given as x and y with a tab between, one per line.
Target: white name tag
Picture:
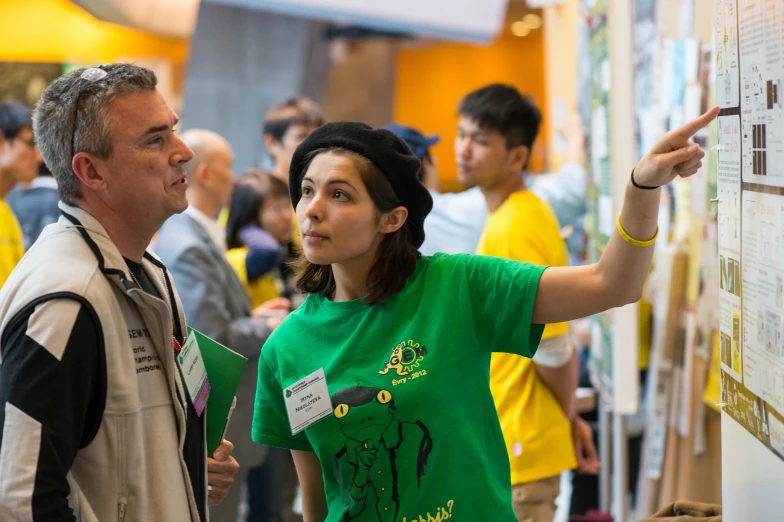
307	401
194	374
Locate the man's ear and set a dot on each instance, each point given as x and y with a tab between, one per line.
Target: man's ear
84	166
201	174
393	220
519	157
272	145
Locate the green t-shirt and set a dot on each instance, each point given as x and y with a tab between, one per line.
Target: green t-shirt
414	434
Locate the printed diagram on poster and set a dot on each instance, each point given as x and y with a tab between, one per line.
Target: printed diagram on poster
727	70
762	73
729	245
763	296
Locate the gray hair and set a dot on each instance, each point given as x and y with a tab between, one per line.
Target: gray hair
62	129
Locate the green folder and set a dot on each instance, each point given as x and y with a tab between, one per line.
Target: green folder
224	371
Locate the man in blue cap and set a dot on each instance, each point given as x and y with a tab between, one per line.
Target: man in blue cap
420	146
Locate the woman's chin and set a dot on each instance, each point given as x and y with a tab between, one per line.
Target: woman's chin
316	258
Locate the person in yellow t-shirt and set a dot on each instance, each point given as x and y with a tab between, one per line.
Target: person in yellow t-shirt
535	398
19	160
285	127
258	230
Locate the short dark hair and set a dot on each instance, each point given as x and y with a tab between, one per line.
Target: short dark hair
502	108
247	198
298	110
397	255
14	117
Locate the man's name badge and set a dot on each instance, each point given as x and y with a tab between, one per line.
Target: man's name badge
194	374
307	401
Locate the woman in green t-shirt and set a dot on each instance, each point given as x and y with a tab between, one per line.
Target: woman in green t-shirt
379	382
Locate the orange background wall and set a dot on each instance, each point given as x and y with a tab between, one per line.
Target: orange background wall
431	81
59	31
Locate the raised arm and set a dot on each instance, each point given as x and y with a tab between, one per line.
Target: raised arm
567	293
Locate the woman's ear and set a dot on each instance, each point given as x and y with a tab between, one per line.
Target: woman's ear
393	220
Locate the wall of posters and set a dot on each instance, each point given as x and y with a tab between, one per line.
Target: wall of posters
601	222
750	182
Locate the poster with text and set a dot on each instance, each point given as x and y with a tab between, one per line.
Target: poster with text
727	69
762	98
763	296
729	219
750	177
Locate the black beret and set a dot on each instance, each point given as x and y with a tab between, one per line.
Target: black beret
386	151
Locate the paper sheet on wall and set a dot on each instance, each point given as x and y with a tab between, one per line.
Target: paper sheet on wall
692	60
559	117
763	296
727	63
762	92
686	18
651	127
667	73
729	245
599	141
678	73
606	221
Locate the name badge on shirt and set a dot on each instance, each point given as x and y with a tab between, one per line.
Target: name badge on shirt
307	401
194	374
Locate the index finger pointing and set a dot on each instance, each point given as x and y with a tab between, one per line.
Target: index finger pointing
691	128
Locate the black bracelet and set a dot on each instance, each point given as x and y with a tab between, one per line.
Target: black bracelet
644	187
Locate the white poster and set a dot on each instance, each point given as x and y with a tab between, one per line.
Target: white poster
763	296
727	71
761	91
598	141
728	183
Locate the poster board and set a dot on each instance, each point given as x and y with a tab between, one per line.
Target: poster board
749	72
600	201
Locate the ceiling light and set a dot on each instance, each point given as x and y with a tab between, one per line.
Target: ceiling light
520	28
533	21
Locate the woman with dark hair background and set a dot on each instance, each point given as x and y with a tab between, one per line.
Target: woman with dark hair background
258	237
258	233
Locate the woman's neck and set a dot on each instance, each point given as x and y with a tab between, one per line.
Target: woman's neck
351	276
348	284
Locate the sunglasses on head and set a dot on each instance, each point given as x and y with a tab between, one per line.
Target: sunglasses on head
91	74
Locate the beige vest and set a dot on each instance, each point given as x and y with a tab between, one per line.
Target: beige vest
133	470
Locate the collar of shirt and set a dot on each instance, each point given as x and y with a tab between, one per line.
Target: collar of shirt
214	229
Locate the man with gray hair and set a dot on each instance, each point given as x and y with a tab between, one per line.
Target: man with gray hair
98	422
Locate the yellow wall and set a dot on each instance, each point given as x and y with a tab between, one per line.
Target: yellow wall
431	81
560	36
58	31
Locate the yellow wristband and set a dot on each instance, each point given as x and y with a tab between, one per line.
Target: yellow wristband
636	242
